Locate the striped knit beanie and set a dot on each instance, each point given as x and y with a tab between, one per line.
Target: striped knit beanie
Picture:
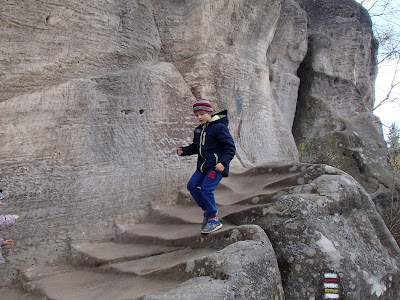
202	105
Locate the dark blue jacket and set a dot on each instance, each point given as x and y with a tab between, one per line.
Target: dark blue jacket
213	143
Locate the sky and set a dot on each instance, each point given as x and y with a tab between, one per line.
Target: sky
389	112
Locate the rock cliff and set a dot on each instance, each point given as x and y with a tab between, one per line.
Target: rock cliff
95	97
333	123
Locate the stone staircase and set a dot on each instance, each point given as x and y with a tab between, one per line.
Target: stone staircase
168	249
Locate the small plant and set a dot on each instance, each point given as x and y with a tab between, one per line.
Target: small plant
302	145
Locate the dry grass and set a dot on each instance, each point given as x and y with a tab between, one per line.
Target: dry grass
391	215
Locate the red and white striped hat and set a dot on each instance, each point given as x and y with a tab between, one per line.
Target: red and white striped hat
202	105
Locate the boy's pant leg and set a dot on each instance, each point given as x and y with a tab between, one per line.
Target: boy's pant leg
209	184
194	188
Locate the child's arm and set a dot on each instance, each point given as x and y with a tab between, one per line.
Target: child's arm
7	221
8	242
4	243
188	150
2	261
225	138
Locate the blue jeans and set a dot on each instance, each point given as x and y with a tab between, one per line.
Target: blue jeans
201	187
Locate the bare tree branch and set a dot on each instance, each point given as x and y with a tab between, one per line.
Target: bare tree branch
393	52
392	86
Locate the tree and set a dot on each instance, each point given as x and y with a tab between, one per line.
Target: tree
391	214
394	147
391	95
385	24
386	27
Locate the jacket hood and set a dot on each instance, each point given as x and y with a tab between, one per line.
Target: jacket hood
220	117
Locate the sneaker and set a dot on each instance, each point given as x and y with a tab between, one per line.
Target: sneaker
212	225
205	220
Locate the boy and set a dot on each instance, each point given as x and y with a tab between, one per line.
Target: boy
215	147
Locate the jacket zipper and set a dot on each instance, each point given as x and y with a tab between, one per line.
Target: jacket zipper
202	142
216	158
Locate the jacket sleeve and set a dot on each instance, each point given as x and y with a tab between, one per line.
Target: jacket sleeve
228	144
6	221
1	256
190	150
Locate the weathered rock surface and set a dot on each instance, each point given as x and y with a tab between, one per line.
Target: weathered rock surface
318	219
286	52
96	96
239	264
83	155
334	123
47	43
166	258
330	224
91	115
224	58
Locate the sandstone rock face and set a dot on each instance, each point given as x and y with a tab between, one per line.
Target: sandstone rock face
48	43
96	96
224	58
334	122
96	143
100	165
286	52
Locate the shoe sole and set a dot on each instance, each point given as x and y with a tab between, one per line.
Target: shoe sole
215	229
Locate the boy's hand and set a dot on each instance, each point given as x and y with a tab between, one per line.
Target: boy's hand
179	151
219	167
15	217
8	242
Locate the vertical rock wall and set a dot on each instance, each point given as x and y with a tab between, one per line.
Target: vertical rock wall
95	96
220	48
285	54
90	123
334	123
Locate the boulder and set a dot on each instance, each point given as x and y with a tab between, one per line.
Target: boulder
330	225
234	273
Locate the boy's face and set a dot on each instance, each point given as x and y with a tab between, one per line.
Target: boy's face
203	117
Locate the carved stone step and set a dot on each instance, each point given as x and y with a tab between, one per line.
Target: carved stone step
187	235
166	234
175	264
255	189
184	214
97	254
92	284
